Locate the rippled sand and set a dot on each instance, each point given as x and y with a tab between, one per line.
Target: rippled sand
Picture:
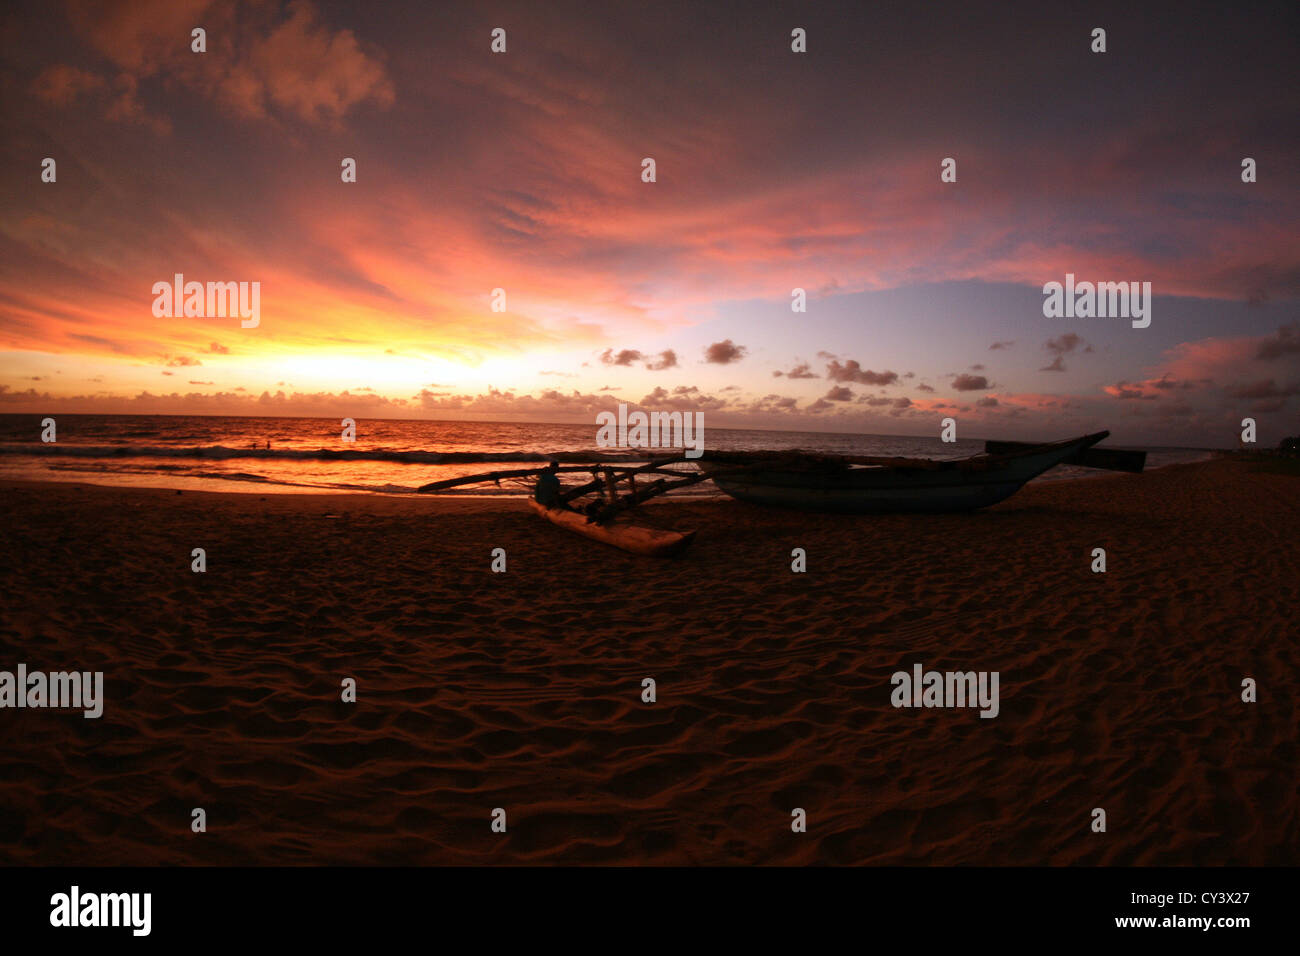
522	690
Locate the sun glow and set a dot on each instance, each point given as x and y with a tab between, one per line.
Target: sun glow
388	374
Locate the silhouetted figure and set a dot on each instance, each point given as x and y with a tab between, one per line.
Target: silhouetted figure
547	492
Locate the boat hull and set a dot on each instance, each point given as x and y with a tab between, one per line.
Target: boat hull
928	487
620	532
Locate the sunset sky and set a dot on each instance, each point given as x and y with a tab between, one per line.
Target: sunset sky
775	170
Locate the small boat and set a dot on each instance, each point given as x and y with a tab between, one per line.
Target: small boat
605	518
885	485
621	531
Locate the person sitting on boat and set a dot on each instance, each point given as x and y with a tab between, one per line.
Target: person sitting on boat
547	492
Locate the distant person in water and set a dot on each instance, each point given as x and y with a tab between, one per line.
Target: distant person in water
547	492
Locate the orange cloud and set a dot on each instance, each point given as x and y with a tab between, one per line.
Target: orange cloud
258	63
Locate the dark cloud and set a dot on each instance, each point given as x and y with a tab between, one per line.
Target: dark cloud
839	393
624	357
724	352
684	397
667	359
629	357
801	370
1063	344
1125	390
774	403
851	371
1001	345
970	383
1286	342
1266	388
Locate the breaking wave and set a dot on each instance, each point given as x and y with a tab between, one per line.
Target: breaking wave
415	457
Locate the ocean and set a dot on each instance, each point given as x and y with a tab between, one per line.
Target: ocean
395	457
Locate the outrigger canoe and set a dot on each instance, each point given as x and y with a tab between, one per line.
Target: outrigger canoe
620	531
886	485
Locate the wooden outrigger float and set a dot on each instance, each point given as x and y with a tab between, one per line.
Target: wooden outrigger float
620	531
605	517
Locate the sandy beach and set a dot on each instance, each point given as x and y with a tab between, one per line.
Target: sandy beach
522	690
